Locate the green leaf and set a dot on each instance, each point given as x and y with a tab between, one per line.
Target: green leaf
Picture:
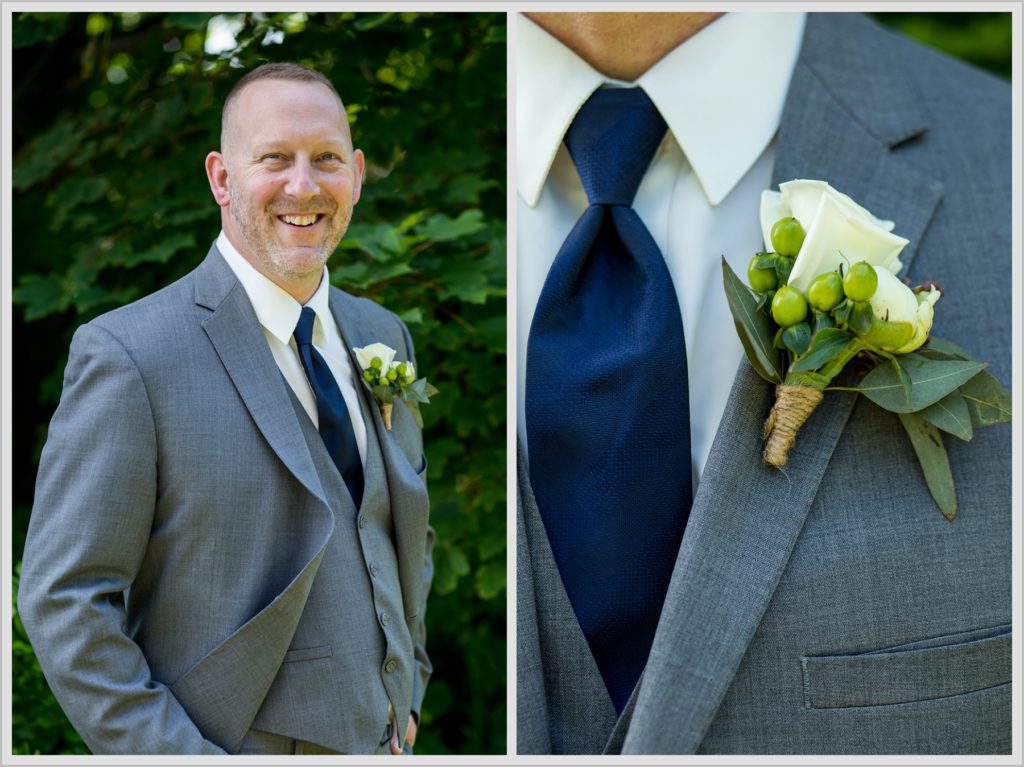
822	320
382	394
797	337
946	347
783	268
371	20
414	409
931	454
931	380
41	295
861	317
490	579
195	21
412	316
450	563
987	401
825	346
31	28
441	228
754	329
951	415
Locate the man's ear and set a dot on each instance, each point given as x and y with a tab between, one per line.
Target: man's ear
357	183
217	174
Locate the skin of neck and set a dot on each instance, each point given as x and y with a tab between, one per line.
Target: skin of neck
622	45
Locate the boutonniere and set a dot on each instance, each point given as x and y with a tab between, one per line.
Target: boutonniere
387	378
824	295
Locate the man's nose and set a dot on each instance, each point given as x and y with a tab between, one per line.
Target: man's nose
302	181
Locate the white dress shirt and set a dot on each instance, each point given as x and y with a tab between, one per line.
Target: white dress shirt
721	93
278	314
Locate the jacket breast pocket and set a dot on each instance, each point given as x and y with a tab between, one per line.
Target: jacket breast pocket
934	668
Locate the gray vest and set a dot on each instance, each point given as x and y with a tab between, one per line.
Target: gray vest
351	655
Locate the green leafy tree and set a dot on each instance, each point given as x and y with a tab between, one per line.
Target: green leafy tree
115	113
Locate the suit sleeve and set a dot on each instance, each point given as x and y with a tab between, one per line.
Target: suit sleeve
91	519
418	627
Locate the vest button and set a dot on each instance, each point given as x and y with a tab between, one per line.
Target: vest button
390	666
384	618
374	570
362	521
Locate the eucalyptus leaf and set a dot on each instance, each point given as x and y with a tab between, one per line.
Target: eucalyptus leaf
382	394
754	329
777	342
414	408
946	347
987	401
826	344
951	415
931	381
931	454
797	337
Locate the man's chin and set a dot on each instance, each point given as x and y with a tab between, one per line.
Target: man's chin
298	262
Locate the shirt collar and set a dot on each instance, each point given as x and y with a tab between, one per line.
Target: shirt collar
725	86
276	310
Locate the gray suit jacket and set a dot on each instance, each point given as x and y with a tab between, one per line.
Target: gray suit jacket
179	520
830	608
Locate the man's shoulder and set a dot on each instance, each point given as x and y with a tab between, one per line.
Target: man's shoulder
938	74
160	316
361	305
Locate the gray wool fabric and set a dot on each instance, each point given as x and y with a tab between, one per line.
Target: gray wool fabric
189	551
830	608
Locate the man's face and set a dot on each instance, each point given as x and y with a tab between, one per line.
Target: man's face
292	178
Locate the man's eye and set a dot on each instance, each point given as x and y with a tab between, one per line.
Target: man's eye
330	157
272	157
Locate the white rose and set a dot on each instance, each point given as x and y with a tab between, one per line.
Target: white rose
366	354
838	231
894	302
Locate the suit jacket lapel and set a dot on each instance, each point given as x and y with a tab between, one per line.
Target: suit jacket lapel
406	490
746	517
235	333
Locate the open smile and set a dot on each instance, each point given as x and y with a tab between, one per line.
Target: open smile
303	220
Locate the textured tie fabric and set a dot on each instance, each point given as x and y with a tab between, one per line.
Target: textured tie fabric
335	424
607	414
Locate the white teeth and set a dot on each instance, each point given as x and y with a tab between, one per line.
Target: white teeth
300	220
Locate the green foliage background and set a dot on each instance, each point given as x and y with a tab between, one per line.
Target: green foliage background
113	116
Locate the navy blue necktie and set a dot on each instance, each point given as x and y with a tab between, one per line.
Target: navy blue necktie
607	409
335	424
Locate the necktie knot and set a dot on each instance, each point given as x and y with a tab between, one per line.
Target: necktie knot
612	141
304	328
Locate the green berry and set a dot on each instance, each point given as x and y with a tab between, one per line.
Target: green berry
826	292
789	307
787	237
368	376
376	363
861	281
392	375
401	368
761	280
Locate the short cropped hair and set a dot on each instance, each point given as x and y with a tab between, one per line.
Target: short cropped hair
278	70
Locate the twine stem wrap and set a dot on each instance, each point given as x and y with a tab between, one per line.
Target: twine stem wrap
793	406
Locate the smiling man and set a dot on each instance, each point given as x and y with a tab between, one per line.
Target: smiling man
229	551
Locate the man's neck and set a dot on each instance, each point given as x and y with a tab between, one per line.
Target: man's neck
622	45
